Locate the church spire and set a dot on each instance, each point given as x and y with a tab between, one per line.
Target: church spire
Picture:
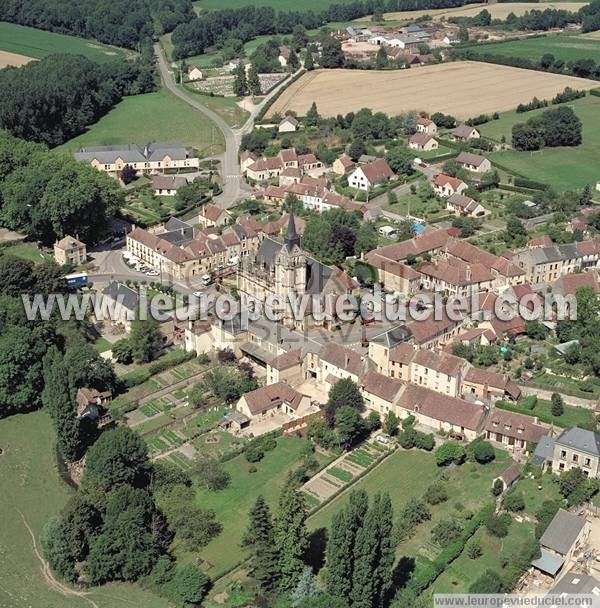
291	237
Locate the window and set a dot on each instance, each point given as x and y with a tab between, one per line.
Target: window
563	454
587	462
575	458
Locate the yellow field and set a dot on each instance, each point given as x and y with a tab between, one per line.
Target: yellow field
498	10
592	35
13	59
463	89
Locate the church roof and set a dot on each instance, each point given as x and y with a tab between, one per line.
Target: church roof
292	237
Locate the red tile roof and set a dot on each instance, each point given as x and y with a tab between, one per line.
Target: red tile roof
382	386
377	171
512	424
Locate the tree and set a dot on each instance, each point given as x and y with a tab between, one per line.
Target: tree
15	275
309	63
240	85
497	525
400	160
349	424
390	423
291	537
436	494
254	86
189	584
489	582
448	452
299	37
145	339
483	452
463	34
210	473
409	123
86	368
118	457
546	60
366	238
557	404
474	549
312	117
293	61
340	547
332	55
535	330
122	351
128	174
497	487
343	393
445	532
513	501
381	60
357	149
306	589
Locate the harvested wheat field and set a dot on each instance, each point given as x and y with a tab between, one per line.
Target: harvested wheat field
462	88
498	11
13	59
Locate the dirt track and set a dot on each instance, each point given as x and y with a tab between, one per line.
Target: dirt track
463	88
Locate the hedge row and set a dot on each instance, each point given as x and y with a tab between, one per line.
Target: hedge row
275	97
531	184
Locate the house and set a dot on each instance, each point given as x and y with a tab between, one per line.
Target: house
423	141
474	162
382	347
566	534
247	159
289	124
381	393
338	362
343	164
279	397
513	430
570	283
211	215
394	276
284	55
438	371
573	585
367	176
70	250
194	73
167	185
508	477
234	63
153	158
92	406
465	133
424	125
489	386
576	447
464	206
286	367
441	412
445	186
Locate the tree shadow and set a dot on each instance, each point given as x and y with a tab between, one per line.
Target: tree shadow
315	553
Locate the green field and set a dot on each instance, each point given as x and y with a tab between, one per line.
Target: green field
562	168
567	48
28	251
155	116
32	492
232	504
36	43
572	416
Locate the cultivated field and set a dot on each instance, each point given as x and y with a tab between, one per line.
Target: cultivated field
152	117
462	88
562	168
498	11
31	42
13	59
567	48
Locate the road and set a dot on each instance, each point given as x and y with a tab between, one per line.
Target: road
234	186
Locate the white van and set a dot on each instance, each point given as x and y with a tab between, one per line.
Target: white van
206	279
388	232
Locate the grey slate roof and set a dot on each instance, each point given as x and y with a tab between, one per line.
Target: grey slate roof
562	532
128	297
393	337
576	582
544	450
131	153
580	439
548	562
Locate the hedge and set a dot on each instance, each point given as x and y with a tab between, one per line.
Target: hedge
426	572
275	97
522	182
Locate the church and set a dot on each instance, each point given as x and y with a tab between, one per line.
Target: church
281	267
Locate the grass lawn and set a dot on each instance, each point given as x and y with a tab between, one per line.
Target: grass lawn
232	504
567	48
35	43
29	484
102	344
562	168
464	571
157	116
534	496
28	251
572	416
407	474
226	107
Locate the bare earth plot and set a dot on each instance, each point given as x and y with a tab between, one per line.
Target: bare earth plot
498	11
13	59
463	89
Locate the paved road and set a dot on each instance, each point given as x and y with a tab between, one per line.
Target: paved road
234	186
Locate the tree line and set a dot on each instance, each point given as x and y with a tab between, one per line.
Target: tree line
119	22
553	128
216	28
48	195
56	98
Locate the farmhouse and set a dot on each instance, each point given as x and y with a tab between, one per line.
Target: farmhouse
70	250
152	158
474	162
167	185
463	205
446	186
371	174
423	141
289	124
465	133
424	125
512	429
